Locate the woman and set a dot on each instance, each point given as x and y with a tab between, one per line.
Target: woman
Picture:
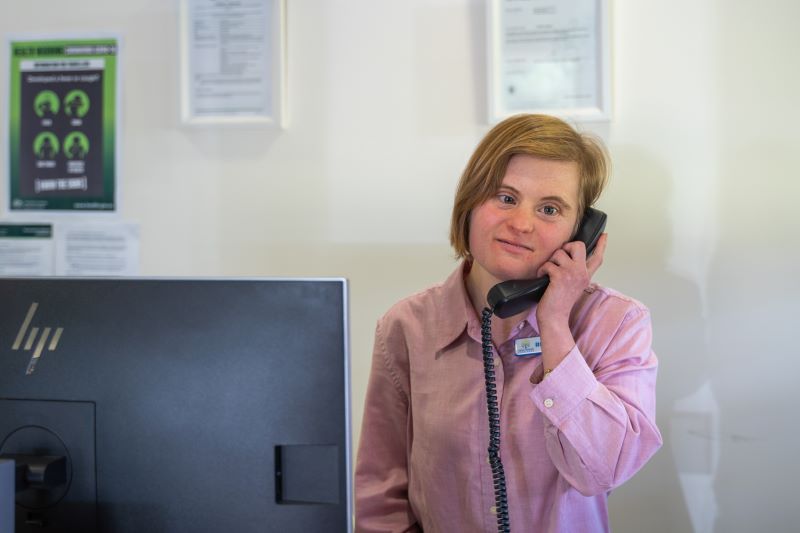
577	420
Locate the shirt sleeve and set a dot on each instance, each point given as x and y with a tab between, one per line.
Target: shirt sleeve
381	474
600	422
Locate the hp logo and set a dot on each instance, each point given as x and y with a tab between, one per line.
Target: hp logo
31	337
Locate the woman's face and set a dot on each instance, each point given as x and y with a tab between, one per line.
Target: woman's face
532	215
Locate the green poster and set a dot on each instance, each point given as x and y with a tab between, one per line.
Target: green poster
62	121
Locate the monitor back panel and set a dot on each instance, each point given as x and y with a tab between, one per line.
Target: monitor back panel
179	401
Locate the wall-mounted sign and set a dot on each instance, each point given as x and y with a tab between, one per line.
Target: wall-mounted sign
548	56
63	125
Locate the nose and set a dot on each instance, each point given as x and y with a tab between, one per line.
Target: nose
521	221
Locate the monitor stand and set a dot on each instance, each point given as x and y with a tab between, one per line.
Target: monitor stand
53	429
7	479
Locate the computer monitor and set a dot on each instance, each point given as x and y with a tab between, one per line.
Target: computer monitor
176	405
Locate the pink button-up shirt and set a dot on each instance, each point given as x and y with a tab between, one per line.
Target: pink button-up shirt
566	441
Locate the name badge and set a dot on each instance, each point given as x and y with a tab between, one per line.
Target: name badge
529	346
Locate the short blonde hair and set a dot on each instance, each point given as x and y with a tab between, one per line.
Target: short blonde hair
537	135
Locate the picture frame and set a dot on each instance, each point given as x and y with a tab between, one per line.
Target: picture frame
233	62
549	56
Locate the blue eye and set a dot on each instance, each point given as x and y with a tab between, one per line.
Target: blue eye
550	210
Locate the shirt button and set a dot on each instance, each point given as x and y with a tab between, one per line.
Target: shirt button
493	509
548	402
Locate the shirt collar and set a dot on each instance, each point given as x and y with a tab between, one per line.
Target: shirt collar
456	314
454	308
531	318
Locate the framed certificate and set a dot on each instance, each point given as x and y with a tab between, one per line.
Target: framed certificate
549	56
233	64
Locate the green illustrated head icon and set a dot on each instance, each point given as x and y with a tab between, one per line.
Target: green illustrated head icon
46	103
45	145
76	103
76	145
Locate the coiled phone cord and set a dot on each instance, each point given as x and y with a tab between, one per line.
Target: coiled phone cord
498	474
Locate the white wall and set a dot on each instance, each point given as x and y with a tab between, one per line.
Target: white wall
387	102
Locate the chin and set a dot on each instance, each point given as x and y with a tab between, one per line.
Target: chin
505	274
503	269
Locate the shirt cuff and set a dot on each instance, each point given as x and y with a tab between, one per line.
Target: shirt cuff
570	383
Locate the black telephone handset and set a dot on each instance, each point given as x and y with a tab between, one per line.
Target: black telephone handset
514	296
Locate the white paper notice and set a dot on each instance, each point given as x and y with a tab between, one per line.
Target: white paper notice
26	249
97	249
549	51
229	58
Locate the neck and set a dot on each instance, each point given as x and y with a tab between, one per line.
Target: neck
477	289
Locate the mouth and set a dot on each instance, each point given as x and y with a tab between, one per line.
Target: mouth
515	245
